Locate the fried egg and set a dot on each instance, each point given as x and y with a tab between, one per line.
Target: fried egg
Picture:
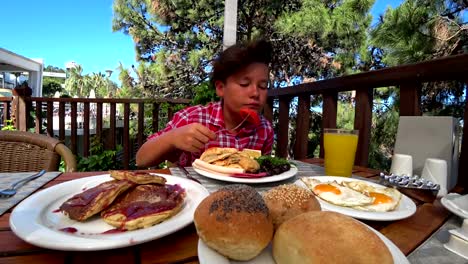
385	199
337	194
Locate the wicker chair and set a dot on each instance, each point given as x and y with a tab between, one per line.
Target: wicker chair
26	151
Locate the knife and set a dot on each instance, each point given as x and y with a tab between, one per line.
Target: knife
186	173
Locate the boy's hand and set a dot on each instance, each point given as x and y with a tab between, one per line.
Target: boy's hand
192	137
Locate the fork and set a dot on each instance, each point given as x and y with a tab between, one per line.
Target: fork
9	192
186	173
233	130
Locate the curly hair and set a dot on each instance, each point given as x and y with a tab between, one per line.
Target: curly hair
237	57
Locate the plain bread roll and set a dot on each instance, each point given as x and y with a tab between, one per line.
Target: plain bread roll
328	237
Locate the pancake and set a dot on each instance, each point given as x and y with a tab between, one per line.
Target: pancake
144	206
137	177
92	201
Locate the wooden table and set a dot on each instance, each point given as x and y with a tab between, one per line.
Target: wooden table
181	247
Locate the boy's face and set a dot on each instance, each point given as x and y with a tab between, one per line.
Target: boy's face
247	88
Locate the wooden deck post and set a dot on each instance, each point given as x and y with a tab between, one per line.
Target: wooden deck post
330	108
363	122
268	109
20	110
302	127
410	99
126	137
38	129
283	131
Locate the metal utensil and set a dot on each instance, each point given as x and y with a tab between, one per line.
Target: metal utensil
186	173
9	192
407	182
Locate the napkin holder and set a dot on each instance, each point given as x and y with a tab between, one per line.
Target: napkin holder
458	241
425	137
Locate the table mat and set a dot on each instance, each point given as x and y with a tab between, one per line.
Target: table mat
212	185
6	179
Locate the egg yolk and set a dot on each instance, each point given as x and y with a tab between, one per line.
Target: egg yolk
380	198
320	188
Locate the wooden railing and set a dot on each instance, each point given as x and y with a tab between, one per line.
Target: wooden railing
409	78
85	112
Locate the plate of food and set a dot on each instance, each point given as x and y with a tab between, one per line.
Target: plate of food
236	225
358	198
242	166
104	212
207	255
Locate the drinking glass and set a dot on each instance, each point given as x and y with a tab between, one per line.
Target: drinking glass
340	149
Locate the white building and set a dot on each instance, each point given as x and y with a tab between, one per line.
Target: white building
11	63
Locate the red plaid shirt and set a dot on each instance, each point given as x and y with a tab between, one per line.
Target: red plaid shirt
250	136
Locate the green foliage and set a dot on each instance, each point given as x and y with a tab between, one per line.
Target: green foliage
81	85
9	125
51	85
345	115
176	42
99	158
339	28
404	33
62	166
384	128
178	39
204	93
50	68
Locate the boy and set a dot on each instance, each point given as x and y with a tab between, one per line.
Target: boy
240	77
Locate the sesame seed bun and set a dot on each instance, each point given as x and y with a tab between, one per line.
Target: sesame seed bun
328	237
235	222
289	200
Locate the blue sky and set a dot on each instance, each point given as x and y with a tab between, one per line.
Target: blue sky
59	31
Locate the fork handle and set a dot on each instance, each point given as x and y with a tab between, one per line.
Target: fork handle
25	180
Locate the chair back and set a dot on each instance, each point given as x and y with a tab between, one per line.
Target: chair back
26	151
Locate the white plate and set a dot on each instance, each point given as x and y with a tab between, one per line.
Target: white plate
206	255
273	178
405	209
36	219
445	201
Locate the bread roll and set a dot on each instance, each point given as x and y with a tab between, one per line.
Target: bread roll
328	237
235	222
287	201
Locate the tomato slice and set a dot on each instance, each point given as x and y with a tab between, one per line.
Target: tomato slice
251	115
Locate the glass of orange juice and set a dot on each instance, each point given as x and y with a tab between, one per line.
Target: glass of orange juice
339	148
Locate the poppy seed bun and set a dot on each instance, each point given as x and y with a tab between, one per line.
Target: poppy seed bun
289	200
328	237
235	222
